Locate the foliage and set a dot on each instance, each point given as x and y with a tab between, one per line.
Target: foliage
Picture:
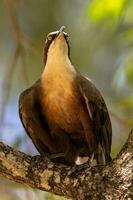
105	10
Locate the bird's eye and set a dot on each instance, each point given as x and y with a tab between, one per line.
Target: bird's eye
49	37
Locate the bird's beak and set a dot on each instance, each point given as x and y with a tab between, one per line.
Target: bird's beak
61	31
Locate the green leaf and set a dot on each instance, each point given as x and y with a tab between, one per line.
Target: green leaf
99	10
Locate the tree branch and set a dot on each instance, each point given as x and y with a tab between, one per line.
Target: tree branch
113	181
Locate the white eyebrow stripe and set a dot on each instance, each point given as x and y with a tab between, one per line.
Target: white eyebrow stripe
55	32
52	33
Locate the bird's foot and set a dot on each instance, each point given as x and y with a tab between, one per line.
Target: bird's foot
91	160
54	155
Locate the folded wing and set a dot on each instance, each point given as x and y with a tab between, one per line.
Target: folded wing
99	115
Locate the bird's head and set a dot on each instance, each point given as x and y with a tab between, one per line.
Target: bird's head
56	45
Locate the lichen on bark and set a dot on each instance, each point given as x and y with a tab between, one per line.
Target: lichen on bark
112	181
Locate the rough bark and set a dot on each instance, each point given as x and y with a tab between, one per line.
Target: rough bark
113	181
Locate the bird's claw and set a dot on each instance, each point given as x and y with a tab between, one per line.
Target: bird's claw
91	158
54	155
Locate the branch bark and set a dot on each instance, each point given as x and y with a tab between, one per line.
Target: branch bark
113	181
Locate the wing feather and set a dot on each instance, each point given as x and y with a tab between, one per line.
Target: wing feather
98	113
34	121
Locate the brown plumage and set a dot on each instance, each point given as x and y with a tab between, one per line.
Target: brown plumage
63	112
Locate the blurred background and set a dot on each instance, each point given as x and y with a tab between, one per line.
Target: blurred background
101	39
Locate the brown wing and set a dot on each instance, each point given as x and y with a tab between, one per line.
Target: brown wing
34	121
98	113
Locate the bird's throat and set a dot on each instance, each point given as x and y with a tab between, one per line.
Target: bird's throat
58	71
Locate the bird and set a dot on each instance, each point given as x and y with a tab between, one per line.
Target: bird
63	112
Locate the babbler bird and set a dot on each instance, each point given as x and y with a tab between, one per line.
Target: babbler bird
63	112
